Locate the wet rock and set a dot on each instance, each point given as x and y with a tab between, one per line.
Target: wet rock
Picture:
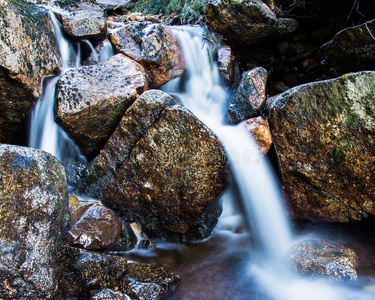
85	271
27	53
91	100
321	259
248	98
226	63
162	168
33	220
114	4
324	136
108	294
152	45
260	130
246	22
83	20
352	49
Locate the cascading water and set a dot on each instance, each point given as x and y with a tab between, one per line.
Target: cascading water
201	91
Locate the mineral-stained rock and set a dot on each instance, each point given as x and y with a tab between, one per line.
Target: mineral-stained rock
83	20
85	271
162	168
91	100
27	53
324	136
226	63
246	22
352	49
33	220
260	130
249	96
152	45
324	260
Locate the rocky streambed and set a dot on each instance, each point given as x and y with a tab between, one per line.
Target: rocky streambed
156	173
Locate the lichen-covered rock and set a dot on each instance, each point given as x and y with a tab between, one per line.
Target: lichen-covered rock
85	271
226	64
324	260
352	49
91	100
260	130
152	45
33	220
27	53
83	20
246	22
324	136
248	98
162	168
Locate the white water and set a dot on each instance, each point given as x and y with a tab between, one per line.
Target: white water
202	91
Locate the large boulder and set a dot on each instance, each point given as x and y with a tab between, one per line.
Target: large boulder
84	272
33	220
324	136
244	22
324	260
152	45
83	20
91	100
27	53
352	49
162	168
249	96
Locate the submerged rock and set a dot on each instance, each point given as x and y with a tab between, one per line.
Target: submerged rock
260	130
152	45
85	271
246	22
162	168
83	20
320	259
248	98
324	136
91	100
352	49
27	53
33	220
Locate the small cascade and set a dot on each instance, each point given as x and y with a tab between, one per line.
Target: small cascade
45	134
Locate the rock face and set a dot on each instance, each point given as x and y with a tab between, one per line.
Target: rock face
260	130
324	135
226	64
162	168
95	227
320	259
83	20
27	53
352	49
91	100
246	22
33	220
248	98
85	271
152	45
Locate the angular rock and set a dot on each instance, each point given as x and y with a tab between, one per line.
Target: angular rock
162	168
352	49
246	22
324	136
226	63
248	98
83	20
33	220
27	53
152	45
85	271
260	130
324	260
108	294
90	101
